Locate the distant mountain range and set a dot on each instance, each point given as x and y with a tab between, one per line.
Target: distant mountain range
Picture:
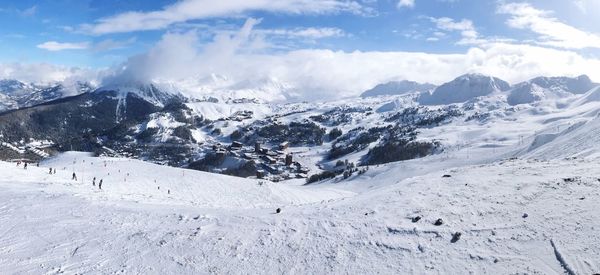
470	86
164	123
15	94
398	88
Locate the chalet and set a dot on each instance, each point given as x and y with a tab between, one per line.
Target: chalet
273	169
268	159
257	146
260	174
221	153
284	145
304	170
301	176
236	144
248	156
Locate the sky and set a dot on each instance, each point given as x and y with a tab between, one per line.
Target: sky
317	46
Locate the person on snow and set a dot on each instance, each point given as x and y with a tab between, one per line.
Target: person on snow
94	182
25	166
100	185
74	177
50	172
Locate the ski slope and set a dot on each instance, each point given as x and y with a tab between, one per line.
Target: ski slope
521	187
216	224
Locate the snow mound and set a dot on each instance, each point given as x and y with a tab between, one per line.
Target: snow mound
464	88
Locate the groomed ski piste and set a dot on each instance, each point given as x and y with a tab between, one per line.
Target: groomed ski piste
513	216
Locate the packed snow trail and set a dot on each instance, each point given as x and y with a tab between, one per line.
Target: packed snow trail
49	224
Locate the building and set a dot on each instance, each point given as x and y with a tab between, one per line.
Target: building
257	146
269	159
237	144
284	145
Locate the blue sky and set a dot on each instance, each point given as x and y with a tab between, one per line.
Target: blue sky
100	34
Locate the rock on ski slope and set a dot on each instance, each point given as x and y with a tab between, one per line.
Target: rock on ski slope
514	216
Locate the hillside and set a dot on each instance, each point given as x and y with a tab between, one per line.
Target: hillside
511	216
381	171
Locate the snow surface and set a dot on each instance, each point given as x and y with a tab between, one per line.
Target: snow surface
535	215
397	88
217	224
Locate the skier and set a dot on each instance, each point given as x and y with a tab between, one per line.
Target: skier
54	171
50	172
100	185
25	166
94	182
74	177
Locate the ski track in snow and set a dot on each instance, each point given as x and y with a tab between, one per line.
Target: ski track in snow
213	224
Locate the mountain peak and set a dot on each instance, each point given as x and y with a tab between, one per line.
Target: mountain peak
464	88
397	88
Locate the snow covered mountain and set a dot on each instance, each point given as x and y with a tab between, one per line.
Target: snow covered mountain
464	88
549	88
398	88
15	94
460	180
173	124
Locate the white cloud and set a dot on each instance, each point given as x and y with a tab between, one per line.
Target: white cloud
46	73
310	33
186	10
406	3
29	11
110	44
59	46
323	74
465	27
551	31
104	45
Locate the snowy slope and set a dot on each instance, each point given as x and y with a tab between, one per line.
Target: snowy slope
15	94
50	224
139	181
464	88
549	88
398	88
536	214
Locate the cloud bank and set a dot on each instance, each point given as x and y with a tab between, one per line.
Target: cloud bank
327	74
44	73
551	31
186	10
58	46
